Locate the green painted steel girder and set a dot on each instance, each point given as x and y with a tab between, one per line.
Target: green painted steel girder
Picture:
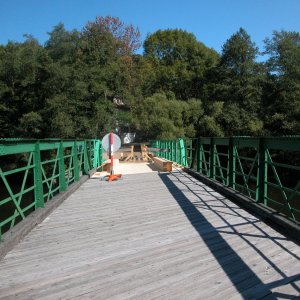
244	163
52	165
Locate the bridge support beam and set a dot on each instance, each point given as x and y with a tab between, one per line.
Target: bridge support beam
262	177
38	190
62	169
75	162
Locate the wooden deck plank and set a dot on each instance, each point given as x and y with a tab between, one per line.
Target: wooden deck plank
148	236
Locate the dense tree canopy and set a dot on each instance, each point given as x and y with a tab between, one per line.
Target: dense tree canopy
238	83
83	83
282	99
179	62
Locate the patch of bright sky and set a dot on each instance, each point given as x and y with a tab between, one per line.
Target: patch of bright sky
212	22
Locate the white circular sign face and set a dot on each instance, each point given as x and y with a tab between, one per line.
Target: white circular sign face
116	142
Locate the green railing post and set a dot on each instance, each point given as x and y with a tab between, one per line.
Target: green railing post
201	153
160	147
176	150
231	164
62	169
86	166
100	153
180	150
89	154
38	189
166	147
212	159
183	160
160	154
96	161
191	154
167	153
95	155
75	162
198	154
262	173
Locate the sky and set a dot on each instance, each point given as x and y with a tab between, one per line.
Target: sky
211	21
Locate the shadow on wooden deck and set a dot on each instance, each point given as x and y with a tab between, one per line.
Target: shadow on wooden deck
244	279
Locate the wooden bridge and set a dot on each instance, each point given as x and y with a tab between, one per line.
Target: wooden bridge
151	235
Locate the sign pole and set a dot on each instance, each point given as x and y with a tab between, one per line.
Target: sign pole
111	152
111	142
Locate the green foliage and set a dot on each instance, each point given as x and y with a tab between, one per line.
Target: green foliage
160	117
282	92
178	87
238	55
180	62
237	82
23	70
31	124
284	51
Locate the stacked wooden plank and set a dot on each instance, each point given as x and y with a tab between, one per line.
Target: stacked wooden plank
163	164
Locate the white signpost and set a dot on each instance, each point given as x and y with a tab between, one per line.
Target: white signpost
110	143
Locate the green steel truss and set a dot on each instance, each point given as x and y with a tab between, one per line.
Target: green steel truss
264	169
32	172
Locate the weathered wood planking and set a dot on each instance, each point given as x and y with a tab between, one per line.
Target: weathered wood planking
163	164
148	236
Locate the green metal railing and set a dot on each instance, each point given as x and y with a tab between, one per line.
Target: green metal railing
264	169
34	171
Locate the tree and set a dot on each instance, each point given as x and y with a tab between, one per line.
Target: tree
180	62
90	69
23	72
126	37
284	54
239	54
282	91
179	87
109	45
159	117
63	45
238	83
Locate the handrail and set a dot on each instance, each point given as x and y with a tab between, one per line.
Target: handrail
32	172
265	169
